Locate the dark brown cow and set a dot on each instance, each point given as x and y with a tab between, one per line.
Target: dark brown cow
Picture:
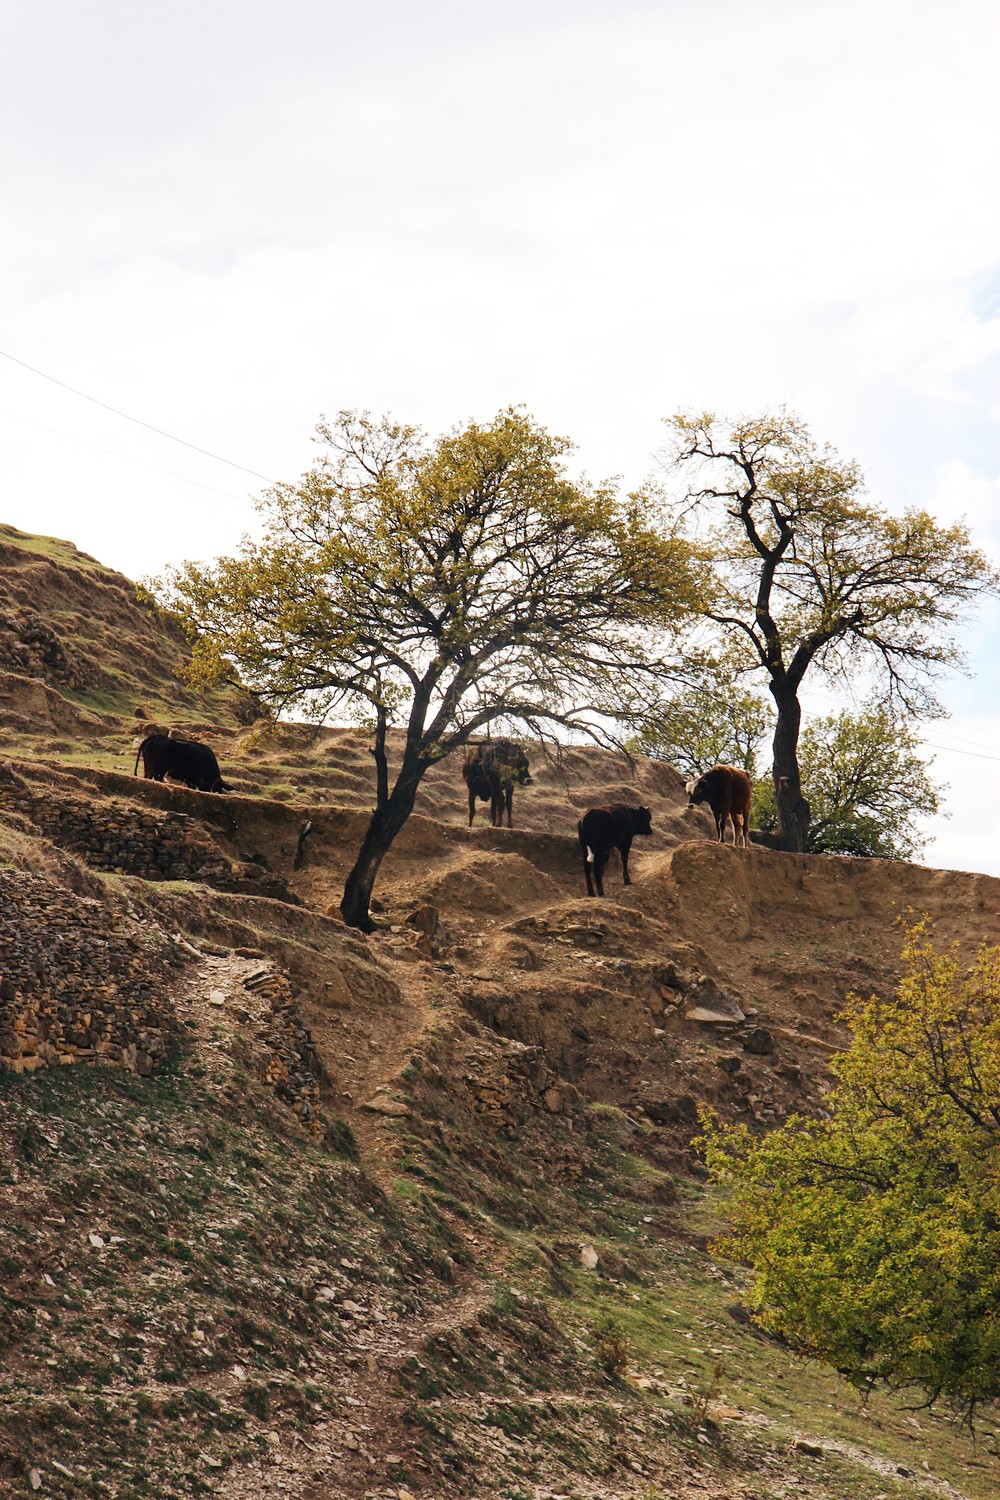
602	829
187	761
491	770
727	791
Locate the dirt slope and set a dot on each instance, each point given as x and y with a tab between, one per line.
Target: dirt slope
411	1214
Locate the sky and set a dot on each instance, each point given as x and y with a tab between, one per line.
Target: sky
228	219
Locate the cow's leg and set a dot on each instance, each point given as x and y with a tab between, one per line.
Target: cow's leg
624	853
508	797
720	824
600	860
472	805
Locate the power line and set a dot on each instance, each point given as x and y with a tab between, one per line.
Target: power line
115	454
945	733
137	420
951	750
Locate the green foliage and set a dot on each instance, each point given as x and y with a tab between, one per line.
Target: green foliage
715	719
455	580
874	1234
809	574
809	571
866	783
441	585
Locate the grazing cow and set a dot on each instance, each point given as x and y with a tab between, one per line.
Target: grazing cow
187	761
490	771
602	829
727	790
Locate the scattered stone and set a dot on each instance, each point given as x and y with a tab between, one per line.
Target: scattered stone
680	1111
588	1257
759	1042
35	1479
383	1105
813	1450
552	1099
729	1062
217	997
712	1006
425	918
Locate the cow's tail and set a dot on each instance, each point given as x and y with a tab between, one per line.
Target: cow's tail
138	753
590	855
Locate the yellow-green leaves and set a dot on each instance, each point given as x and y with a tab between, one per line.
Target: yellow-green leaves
455	581
875	1234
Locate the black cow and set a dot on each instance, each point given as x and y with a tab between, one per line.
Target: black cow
727	790
187	761
602	829
490	771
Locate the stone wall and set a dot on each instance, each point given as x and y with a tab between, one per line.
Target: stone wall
119	836
78	982
289	1062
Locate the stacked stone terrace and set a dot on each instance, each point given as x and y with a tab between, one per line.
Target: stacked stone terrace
77	981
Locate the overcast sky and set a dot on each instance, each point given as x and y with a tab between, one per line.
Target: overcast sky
227	219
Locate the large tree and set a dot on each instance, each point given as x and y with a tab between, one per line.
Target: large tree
441	585
812	575
874	1234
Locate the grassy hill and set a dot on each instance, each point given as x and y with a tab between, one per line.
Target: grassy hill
410	1215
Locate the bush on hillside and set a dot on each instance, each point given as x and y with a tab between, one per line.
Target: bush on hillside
874	1234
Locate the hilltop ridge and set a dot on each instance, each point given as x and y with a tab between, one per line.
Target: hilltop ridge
425	1206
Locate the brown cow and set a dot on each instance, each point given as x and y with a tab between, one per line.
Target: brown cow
727	791
490	771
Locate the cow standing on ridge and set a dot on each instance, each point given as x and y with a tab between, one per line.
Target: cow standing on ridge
187	761
491	770
602	829
727	791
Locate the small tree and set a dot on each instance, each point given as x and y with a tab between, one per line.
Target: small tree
442	585
713	718
874	1235
810	575
867	786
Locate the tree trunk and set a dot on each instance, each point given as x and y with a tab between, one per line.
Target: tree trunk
793	809
386	822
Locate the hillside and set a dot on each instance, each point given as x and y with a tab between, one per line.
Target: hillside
414	1215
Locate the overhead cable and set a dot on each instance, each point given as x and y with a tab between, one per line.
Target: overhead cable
137	420
115	454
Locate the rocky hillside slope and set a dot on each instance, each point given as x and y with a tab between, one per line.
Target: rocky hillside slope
288	1210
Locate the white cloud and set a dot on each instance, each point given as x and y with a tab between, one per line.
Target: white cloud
227	218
